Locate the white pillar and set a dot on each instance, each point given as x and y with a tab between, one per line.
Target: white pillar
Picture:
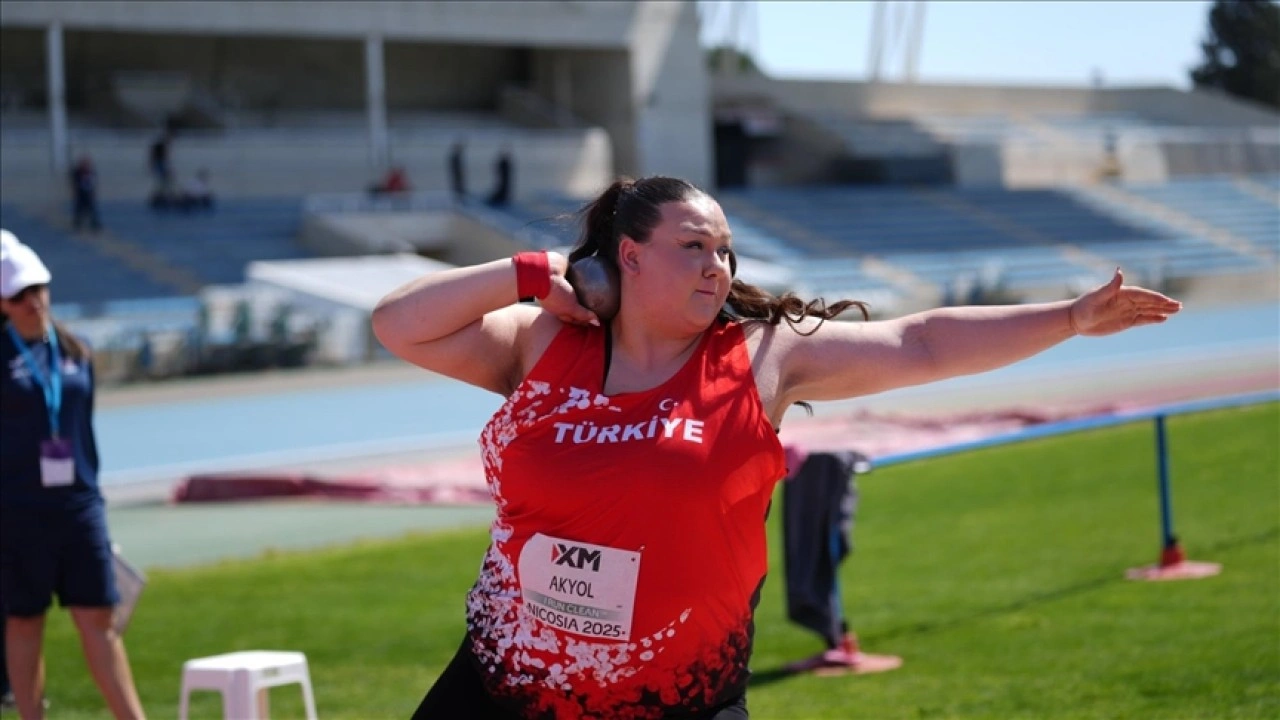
913	47
876	47
55	76
375	84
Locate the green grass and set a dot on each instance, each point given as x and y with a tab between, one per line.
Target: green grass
997	574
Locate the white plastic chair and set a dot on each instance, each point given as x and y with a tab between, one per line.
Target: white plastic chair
243	678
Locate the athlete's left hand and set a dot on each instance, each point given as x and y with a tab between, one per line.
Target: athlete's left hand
1115	306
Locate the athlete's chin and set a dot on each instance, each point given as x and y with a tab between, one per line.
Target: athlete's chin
702	319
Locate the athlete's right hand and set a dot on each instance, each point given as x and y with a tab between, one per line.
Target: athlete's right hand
562	301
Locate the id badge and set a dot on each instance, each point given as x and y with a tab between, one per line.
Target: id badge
579	587
57	466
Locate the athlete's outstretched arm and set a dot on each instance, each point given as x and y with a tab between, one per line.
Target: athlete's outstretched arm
843	360
464	322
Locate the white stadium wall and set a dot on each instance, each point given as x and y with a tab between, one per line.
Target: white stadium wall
274	165
631	73
536	24
670	93
1200	132
891	100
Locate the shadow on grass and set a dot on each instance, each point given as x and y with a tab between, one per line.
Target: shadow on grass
772	675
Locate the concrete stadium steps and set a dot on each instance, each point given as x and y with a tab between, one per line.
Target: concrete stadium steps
878	221
1257	187
214	247
753	241
976	128
1071	128
1050	216
1026	238
89	268
1269	181
542	222
931	134
1016	269
843	220
839	278
536	222
1222	203
881	137
1228	248
1179	257
805	240
1095	126
550	220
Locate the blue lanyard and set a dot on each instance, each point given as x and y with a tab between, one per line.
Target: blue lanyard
52	385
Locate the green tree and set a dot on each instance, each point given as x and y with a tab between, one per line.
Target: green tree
1242	51
737	60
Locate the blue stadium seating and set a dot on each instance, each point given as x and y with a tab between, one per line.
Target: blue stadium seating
1096	125
539	222
1177	257
1018	239
881	221
1221	202
975	128
550	220
82	271
1271	181
1179	253
547	221
213	246
945	236
1011	268
841	277
825	235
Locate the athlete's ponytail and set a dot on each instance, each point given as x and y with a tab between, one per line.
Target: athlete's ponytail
598	222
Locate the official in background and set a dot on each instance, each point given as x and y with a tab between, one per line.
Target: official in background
819	506
84	193
458	172
504	169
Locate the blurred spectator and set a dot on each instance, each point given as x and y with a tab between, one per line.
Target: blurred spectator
1111	168
457	172
161	172
84	190
197	194
501	195
144	361
395	182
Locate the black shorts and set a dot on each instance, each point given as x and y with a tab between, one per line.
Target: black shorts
459	693
51	551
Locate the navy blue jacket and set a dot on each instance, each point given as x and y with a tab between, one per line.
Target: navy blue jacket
24	423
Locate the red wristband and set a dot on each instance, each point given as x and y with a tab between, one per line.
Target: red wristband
533	274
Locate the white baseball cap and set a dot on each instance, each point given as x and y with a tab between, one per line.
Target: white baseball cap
20	267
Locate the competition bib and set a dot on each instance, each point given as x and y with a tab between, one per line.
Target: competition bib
579	587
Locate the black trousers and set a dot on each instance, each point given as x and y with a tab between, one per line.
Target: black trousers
459	693
85	210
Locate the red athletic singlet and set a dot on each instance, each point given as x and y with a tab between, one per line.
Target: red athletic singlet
629	546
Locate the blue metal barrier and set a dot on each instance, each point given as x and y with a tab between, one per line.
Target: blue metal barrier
1173	563
1162	472
1091	423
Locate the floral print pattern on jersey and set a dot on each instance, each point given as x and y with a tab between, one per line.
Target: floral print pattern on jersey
628	548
